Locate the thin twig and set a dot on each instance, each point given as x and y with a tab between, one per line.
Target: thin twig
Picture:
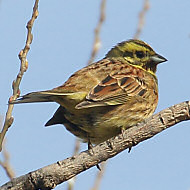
141	22
71	181
23	68
99	176
50	176
97	41
5	163
96	47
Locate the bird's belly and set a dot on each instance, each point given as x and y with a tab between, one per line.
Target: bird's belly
101	123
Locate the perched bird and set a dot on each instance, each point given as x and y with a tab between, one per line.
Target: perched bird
108	96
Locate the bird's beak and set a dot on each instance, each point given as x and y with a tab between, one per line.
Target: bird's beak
158	58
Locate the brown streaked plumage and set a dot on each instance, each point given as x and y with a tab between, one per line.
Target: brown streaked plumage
112	94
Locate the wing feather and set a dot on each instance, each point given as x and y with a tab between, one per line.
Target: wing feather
114	90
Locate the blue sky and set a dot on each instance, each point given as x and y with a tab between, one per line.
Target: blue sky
62	43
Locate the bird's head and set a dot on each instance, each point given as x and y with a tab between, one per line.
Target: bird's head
138	54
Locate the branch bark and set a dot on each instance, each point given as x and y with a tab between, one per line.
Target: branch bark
50	176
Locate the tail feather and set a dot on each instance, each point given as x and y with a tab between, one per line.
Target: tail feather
43	96
58	117
33	97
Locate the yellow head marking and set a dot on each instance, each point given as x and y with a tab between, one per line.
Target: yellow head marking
138	54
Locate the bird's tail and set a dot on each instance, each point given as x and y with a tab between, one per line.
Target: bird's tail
41	96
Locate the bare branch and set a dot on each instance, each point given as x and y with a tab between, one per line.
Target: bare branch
5	163
23	68
50	176
97	42
95	48
141	22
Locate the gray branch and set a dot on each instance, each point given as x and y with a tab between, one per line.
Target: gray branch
50	176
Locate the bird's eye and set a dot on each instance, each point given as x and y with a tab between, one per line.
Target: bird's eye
140	54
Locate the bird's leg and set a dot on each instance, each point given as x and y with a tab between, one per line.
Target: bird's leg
122	133
90	148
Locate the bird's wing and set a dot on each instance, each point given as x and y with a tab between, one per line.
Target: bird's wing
114	90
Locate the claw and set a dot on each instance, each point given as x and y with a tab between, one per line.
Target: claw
109	144
130	148
98	166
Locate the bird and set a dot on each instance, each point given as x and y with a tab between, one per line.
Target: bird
106	97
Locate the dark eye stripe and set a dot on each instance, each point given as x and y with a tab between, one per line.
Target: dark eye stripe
128	54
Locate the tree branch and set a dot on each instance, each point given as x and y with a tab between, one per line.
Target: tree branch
5	163
23	67
50	176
